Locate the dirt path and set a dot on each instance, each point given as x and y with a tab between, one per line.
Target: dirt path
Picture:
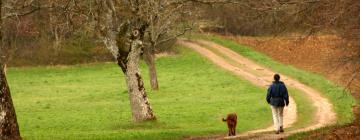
262	76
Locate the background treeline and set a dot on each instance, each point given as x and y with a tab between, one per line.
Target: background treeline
64	33
265	18
61	34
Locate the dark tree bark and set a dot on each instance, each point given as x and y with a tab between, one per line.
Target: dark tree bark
9	129
149	58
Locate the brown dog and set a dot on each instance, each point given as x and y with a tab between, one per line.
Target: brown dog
231	121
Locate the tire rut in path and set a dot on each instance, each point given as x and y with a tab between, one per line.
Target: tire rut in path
262	76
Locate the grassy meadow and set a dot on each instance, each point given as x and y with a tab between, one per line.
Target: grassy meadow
91	101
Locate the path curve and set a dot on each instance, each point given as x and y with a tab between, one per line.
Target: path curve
262	76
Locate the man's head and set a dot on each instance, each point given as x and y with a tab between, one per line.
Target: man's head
277	77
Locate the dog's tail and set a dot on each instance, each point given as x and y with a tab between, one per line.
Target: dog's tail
223	119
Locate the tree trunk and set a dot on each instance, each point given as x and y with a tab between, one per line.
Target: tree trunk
9	129
149	57
140	106
128	59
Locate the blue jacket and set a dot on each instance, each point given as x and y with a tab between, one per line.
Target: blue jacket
277	94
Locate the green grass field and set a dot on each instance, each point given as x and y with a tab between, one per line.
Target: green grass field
91	101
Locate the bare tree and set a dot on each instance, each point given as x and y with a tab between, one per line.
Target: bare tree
163	27
64	18
126	46
123	25
167	21
9	128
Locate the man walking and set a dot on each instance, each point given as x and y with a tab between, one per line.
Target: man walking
277	97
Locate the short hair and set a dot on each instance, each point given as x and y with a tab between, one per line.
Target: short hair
276	77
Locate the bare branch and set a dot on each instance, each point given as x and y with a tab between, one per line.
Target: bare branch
174	36
356	73
33	8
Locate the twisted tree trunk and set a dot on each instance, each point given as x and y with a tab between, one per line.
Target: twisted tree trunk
140	106
149	58
126	45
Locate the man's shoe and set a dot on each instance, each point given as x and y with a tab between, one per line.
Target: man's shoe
281	129
277	132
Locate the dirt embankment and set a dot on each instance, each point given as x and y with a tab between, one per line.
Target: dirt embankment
326	55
